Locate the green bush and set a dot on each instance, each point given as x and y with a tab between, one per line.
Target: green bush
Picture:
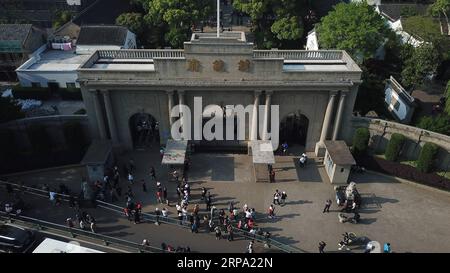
40	139
81	111
74	135
394	147
360	141
37	93
426	157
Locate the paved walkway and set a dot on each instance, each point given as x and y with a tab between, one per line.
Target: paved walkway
412	219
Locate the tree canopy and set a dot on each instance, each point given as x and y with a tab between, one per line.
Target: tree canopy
178	16
133	21
422	63
354	27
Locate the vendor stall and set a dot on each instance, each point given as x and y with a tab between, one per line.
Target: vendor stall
175	157
338	161
262	153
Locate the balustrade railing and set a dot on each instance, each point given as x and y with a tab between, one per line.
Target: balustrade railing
141	54
299	54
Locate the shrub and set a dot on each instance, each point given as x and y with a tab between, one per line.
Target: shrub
40	139
394	147
74	135
426	157
81	111
360	140
37	93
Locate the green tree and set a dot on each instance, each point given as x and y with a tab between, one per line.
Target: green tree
133	21
9	110
394	146
360	141
447	98
354	27
426	157
439	124
441	7
275	23
177	16
424	61
61	17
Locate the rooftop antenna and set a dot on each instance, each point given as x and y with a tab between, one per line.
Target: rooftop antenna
218	18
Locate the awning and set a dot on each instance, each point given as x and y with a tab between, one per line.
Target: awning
175	152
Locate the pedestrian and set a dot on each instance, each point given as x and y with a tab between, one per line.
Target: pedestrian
283	198
145	243
157	214
276	197
203	193
322	245
164	212
52	195
230	207
271	211
272	176
179	192
211	225
302	161
180	217
230	233
327	206
250	247
93	227
387	248
284	147
175	176
69	222
144	186
137	218
218	233
153	173
305	157
165	196
158	185
130	178
82	224
194	227
208	203
159	196
269	168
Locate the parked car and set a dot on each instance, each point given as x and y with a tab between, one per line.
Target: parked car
14	239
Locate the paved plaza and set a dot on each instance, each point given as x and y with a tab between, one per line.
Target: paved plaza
411	218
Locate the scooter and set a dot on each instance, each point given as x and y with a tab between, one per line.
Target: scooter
343	218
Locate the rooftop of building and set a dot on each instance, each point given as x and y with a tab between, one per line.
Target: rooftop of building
102	35
55	60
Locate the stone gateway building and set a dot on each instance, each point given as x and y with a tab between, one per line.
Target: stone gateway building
128	93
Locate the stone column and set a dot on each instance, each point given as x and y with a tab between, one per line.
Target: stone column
170	105
99	115
254	131
266	115
325	125
180	103
110	117
337	123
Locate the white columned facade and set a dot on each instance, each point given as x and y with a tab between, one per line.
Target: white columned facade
337	123
110	117
99	115
267	115
170	106
182	115
254	131
325	124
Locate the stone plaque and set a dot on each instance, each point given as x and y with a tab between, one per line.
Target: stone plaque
244	65
218	65
193	65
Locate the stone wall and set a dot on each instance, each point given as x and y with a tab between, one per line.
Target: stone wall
382	130
53	125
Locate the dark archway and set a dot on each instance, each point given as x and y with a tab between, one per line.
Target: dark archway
144	129
294	129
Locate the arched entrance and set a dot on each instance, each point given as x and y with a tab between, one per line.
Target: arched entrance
144	130
294	129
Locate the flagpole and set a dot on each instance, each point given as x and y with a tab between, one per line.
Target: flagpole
218	18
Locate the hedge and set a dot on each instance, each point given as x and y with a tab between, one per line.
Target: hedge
37	93
426	157
394	147
402	171
360	140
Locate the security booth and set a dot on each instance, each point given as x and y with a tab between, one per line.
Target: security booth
262	154
338	161
98	158
175	157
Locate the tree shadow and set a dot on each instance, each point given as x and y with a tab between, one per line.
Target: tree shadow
298	202
367	221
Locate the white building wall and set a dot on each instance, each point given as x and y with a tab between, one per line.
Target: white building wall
43	77
130	41
89	49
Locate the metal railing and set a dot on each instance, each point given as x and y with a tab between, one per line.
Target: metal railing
141	54
161	219
56	229
298	54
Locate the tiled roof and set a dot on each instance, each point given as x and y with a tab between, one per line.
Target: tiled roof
394	11
102	35
14	32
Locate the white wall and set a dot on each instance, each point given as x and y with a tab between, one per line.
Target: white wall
311	41
89	49
43	77
403	109
130	41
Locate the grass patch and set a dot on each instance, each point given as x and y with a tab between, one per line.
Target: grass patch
444	174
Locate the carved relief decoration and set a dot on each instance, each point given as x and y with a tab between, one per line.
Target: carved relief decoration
218	65
244	65
193	65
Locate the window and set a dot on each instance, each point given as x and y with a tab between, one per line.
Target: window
35	84
71	85
397	105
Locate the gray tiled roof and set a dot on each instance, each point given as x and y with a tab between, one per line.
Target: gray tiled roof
14	32
394	11
102	35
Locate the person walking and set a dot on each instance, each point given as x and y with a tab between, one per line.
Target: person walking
144	186
271	211
250	247
283	198
130	178
302	161
322	245
276	197
208	203
159	196
231	207
203	193
230	232
327	206
165	196
284	147
387	248
153	173
93	227
137	217
157	214
272	176
218	233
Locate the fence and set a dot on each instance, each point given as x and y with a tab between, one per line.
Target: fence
141	54
166	220
299	54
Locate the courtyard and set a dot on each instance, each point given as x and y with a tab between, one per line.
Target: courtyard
411	218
